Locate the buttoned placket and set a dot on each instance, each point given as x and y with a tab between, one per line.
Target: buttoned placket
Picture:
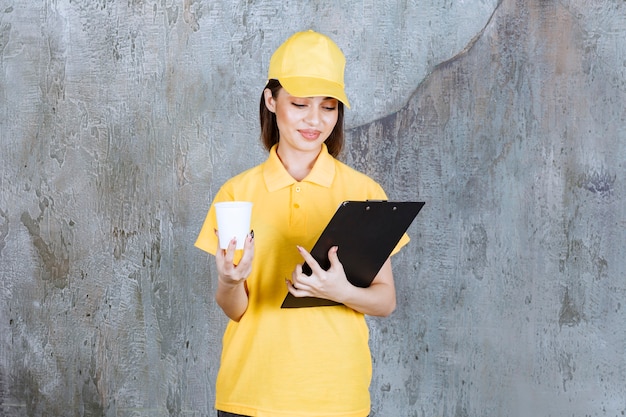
298	216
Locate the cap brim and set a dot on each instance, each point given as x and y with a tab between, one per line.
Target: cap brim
314	87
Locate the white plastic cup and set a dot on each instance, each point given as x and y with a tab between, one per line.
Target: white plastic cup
233	220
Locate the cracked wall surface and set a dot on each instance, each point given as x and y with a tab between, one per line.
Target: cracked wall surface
120	120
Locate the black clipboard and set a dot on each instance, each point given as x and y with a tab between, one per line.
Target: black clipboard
366	233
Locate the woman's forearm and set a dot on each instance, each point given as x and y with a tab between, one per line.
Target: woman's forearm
233	300
379	299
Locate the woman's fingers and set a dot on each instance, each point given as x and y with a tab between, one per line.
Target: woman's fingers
225	258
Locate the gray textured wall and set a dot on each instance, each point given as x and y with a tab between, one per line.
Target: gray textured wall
120	119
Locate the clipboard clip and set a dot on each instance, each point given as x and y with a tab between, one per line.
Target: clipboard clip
375	201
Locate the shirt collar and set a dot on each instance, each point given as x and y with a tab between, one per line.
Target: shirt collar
277	177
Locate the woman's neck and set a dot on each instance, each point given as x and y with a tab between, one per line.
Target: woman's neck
298	164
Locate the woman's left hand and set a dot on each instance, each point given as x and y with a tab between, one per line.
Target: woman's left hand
379	299
331	284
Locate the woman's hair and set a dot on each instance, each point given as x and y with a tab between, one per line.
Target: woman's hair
269	128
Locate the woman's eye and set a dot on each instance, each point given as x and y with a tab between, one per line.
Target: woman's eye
299	105
329	108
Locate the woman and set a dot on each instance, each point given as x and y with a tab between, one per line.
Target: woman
303	361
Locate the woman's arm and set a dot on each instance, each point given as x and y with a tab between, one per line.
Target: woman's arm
232	294
379	299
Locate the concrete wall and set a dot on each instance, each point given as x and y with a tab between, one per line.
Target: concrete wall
120	119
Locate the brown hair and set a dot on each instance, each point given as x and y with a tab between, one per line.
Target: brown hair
269	128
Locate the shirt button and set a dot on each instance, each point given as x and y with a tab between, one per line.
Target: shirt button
296	206
297	189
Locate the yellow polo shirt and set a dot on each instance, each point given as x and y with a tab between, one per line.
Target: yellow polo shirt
303	362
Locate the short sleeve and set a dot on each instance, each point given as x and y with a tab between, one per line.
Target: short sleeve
403	241
207	239
380	194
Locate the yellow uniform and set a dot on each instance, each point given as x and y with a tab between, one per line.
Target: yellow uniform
299	362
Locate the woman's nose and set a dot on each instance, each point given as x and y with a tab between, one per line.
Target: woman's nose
313	116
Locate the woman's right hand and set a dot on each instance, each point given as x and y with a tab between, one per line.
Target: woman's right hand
229	273
231	295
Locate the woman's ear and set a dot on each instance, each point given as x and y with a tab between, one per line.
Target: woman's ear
270	103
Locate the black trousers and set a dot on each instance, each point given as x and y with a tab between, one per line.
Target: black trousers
225	414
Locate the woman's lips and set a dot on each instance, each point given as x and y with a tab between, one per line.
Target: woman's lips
310	134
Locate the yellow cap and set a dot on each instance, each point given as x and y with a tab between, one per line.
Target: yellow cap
310	64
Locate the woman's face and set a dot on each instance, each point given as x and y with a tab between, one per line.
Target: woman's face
304	123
